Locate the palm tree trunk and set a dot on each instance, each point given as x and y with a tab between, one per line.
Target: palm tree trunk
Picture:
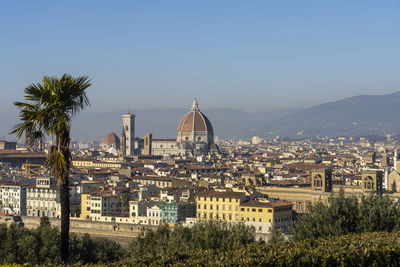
64	198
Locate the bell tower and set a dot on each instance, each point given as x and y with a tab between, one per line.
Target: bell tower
321	180
371	181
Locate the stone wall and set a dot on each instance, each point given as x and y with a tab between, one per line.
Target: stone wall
121	232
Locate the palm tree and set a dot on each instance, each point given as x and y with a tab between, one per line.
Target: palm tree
50	108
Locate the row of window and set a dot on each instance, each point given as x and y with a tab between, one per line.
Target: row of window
284	219
42	204
225	217
254	210
219	199
217	207
10	194
38	190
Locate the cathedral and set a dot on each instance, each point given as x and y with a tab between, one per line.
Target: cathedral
195	133
195	137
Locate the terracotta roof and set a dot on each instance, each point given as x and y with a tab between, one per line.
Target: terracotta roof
272	204
111	139
195	120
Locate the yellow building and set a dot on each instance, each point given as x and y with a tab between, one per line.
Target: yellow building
83	162
264	214
85	206
220	205
90	163
231	206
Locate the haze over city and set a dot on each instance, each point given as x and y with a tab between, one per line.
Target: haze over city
253	56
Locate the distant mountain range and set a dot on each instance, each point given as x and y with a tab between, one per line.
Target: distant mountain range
358	115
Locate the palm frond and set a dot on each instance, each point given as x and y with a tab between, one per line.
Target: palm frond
57	163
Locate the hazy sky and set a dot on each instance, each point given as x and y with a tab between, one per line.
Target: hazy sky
252	55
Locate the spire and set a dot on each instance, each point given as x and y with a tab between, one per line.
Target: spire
195	105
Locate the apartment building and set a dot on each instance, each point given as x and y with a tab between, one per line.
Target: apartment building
43	199
231	206
13	199
103	204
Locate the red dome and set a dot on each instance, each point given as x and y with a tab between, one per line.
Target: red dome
195	121
111	139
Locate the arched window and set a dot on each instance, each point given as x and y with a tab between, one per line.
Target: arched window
369	184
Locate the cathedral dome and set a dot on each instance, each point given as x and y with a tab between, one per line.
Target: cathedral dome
111	140
195	121
195	127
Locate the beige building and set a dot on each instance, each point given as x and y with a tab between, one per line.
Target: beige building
104	204
43	199
322	188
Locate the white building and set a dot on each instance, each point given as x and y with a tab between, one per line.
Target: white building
43	199
154	215
14	199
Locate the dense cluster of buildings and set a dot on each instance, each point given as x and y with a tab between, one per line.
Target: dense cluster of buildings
263	183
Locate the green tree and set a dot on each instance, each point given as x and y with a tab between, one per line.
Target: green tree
343	215
50	108
378	214
394	187
204	235
276	235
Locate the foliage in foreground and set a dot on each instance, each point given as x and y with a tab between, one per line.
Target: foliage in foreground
42	246
366	249
204	235
343	215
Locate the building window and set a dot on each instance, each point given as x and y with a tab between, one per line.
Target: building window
259	210
269	210
253	210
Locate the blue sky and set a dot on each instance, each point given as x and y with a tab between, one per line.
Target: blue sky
252	55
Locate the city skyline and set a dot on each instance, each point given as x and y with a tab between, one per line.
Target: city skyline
205	133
